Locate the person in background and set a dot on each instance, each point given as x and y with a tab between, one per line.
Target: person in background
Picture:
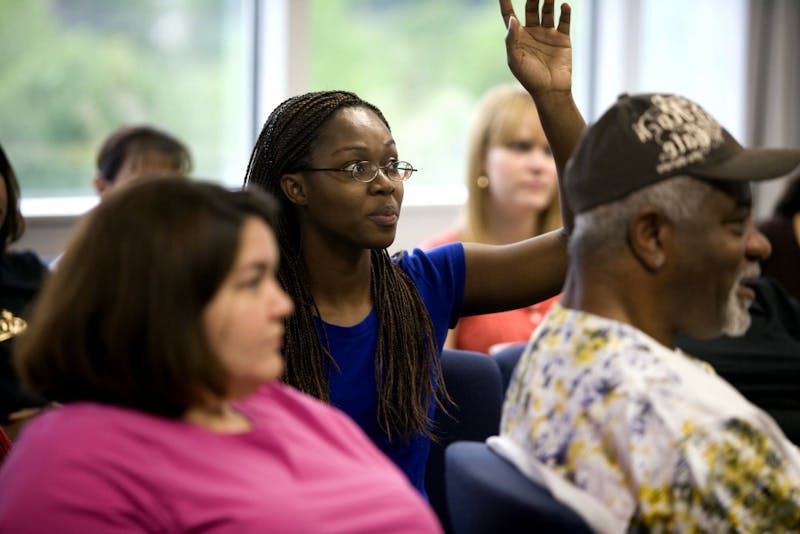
172	418
617	422
21	275
368	331
132	152
512	195
140	150
783	231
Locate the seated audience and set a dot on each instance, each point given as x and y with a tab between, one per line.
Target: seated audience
783	231
632	432
512	187
172	416
21	275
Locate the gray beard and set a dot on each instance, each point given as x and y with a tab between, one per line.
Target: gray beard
736	315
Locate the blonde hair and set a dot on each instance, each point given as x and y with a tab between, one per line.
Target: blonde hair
497	120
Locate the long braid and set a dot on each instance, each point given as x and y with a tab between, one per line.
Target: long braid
407	366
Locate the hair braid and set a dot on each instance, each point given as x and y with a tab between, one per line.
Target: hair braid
407	365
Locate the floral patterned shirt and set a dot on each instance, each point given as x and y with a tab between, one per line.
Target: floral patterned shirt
651	433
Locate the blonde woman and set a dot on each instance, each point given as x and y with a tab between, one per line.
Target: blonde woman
512	188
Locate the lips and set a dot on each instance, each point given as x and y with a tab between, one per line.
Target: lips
748	278
385	216
745	293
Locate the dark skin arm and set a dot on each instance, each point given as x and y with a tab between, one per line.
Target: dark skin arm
540	56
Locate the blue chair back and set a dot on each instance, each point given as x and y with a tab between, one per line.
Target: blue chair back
485	493
475	385
507	360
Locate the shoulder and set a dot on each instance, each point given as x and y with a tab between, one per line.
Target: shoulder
440	261
439	276
22	268
85	432
84	446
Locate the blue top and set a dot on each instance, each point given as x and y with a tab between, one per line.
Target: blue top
439	277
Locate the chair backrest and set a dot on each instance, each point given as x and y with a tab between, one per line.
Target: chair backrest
485	493
475	385
507	359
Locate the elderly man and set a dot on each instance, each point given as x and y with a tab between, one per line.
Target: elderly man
603	409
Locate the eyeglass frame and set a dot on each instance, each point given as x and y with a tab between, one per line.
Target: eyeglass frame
411	170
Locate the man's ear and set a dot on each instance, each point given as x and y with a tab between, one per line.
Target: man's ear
648	233
101	185
294	187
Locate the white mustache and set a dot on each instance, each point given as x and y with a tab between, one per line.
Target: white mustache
753	270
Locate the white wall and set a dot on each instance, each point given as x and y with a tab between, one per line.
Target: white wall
421	222
48	235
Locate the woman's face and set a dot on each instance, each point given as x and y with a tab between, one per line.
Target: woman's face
339	209
243	322
522	172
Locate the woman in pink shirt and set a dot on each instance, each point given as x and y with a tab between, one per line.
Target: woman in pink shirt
160	333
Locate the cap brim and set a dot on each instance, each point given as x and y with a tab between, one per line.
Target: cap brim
752	164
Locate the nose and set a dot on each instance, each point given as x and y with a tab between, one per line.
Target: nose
282	302
757	246
538	157
382	185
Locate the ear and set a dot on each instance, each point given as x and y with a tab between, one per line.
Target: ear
648	234
101	186
294	187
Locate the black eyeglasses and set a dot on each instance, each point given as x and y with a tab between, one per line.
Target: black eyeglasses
366	171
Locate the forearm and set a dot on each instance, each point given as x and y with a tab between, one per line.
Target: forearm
563	125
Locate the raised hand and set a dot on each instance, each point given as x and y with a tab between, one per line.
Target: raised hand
538	54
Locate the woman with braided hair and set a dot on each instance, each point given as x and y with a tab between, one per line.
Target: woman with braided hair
368	330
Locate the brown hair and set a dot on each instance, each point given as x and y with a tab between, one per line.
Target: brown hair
119	321
13	225
407	363
130	141
496	121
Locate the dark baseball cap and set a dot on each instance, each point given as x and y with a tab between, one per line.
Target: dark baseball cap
645	138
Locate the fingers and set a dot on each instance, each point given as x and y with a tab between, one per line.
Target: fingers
512	35
507	10
548	13
563	20
531	13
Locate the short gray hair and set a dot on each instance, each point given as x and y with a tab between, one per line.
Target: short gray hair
606	226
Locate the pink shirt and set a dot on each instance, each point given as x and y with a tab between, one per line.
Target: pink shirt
304	467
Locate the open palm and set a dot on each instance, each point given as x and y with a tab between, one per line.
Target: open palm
539	54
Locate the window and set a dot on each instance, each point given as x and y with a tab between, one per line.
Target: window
75	70
696	48
425	65
210	71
